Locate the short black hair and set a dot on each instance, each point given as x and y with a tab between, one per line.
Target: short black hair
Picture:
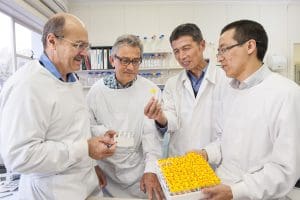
187	29
246	30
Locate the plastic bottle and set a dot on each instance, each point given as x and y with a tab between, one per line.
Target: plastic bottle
90	79
145	44
153	43
159	45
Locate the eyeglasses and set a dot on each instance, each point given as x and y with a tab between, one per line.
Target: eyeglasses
222	51
80	46
126	61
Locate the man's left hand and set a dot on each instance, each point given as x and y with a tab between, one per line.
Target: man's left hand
219	192
150	184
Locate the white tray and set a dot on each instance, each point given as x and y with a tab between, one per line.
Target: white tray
197	195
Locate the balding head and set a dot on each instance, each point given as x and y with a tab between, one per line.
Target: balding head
65	42
60	24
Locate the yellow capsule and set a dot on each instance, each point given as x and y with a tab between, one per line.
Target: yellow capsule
187	173
153	91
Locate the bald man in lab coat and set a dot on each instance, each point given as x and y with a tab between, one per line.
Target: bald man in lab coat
44	125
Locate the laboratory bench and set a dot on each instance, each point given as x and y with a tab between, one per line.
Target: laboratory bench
11	197
293	195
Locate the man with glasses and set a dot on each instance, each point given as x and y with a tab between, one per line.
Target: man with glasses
258	156
190	98
44	123
116	103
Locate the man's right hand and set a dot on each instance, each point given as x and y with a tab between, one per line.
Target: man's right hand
153	110
102	146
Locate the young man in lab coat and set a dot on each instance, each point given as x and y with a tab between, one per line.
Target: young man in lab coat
258	154
44	123
190	98
116	103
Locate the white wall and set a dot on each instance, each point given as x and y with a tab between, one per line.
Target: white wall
106	21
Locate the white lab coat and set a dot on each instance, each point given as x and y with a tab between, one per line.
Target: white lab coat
123	110
44	127
258	151
190	118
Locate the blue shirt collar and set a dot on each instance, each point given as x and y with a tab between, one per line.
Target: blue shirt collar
193	78
112	82
46	62
196	82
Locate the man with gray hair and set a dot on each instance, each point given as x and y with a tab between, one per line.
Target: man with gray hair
116	103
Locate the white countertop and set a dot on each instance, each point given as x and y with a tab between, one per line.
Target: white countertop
293	195
11	197
106	198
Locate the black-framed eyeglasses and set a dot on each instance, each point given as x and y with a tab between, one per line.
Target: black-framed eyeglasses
222	51
80	46
126	61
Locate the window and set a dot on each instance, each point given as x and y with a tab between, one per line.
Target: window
19	44
6	48
28	45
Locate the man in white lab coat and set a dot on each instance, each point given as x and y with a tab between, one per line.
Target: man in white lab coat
190	98
116	103
44	123
258	154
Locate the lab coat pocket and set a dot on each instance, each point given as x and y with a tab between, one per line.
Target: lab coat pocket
40	187
131	170
130	176
62	186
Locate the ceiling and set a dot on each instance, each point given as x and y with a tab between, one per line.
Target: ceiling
180	1
212	1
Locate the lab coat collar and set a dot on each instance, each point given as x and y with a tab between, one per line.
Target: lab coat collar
209	78
47	63
210	74
253	79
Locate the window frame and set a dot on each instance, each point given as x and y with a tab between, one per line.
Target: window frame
15	55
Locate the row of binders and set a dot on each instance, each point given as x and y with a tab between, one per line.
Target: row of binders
98	59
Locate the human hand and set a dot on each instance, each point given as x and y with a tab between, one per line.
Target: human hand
101	147
110	135
150	184
101	177
153	110
218	192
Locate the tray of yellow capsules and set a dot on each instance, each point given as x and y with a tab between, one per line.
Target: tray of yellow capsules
183	177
